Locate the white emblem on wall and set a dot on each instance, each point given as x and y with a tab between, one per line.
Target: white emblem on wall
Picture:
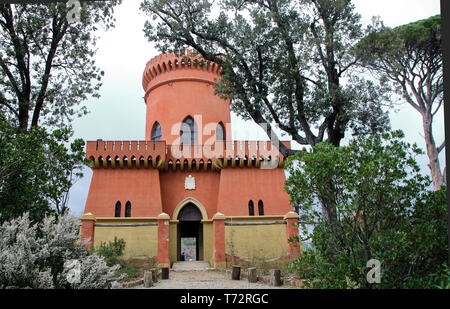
189	183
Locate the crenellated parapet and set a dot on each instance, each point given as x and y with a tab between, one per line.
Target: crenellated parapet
156	154
184	66
130	154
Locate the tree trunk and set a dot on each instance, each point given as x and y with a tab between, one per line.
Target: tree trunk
432	152
23	116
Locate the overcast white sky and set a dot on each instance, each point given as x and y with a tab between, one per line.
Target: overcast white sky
123	52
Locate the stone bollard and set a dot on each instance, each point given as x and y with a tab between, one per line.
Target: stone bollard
252	277
154	272
148	282
165	273
236	273
275	277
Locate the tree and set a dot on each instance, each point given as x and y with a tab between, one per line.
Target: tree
37	169
47	65
384	212
39	256
411	57
283	62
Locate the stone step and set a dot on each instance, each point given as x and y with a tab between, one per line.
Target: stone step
191	266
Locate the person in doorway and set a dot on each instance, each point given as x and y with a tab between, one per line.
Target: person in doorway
182	256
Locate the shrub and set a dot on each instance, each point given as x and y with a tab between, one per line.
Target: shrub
111	251
377	206
39	255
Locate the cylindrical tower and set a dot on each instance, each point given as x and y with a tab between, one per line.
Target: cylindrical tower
179	93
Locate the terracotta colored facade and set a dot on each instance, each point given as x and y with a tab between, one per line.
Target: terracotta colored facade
188	158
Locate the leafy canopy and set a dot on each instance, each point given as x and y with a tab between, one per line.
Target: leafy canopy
37	169
383	211
47	65
410	56
284	62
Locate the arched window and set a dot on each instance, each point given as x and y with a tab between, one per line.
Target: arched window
251	208
261	208
118	208
156	132
188	132
220	132
128	209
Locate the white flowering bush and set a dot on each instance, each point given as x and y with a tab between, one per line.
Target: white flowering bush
49	255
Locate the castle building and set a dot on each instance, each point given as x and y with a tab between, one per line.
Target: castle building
188	179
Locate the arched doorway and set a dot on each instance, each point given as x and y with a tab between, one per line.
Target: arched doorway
190	233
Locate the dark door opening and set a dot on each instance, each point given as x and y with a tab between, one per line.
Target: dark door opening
190	233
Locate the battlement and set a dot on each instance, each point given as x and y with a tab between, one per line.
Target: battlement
124	152
156	154
172	67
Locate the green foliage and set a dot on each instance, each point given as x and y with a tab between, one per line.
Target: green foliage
47	65
283	62
131	270
37	169
383	43
379	207
47	70
110	251
410	57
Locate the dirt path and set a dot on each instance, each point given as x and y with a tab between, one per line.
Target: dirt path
210	279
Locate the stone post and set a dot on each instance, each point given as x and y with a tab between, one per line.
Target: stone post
163	240
275	277
293	249
165	273
219	240
88	229
252	276
148	281
236	273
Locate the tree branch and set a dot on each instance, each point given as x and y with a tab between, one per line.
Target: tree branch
441	147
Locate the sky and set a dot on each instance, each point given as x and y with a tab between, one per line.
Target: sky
123	52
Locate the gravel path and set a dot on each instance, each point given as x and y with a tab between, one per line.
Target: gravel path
210	279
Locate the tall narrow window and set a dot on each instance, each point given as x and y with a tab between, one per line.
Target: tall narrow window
188	132
220	132
118	208
261	208
251	208
156	132
128	209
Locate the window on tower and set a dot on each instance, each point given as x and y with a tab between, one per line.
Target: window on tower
117	210
220	132
156	132
251	208
261	208
128	209
189	132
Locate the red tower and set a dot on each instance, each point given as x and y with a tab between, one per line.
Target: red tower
188	179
